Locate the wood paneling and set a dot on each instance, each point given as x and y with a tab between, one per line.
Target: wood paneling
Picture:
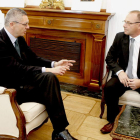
87	28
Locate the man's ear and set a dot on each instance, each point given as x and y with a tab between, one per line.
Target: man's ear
11	24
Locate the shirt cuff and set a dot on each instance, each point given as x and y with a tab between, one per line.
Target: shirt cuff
119	72
52	64
43	69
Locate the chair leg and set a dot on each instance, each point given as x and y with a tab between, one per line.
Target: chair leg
102	108
120	107
102	104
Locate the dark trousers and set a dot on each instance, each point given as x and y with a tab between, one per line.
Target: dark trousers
112	91
44	88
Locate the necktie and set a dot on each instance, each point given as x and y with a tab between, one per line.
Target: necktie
17	47
130	63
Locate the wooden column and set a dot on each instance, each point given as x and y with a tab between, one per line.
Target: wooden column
97	60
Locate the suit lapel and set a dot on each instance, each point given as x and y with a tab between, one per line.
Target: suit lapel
9	43
125	49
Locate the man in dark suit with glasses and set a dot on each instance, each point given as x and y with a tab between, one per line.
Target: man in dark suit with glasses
33	77
123	59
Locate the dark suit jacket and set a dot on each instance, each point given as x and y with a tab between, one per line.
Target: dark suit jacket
14	68
118	55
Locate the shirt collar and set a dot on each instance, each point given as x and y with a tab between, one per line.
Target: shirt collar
12	38
137	38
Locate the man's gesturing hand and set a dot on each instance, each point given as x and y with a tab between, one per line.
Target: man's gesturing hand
59	70
123	78
66	63
61	67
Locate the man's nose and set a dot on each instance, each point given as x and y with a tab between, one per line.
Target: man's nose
124	25
27	27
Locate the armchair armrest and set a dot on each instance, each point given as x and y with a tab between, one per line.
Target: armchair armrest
2	90
12	107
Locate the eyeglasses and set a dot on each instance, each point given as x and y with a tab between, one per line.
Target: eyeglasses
24	24
129	23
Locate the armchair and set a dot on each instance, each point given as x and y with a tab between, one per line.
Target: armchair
17	121
130	97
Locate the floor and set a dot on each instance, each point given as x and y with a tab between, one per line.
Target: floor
83	115
76	89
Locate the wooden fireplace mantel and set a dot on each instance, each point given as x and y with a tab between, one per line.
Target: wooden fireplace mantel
87	28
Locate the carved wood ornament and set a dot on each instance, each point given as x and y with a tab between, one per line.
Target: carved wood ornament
45	4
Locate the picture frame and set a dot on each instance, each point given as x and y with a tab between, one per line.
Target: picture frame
87	0
87	5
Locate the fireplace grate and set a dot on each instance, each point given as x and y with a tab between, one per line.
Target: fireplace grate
56	50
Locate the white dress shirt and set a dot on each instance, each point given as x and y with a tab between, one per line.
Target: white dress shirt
135	57
12	38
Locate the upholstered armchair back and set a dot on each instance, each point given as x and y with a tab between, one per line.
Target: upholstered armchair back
17	121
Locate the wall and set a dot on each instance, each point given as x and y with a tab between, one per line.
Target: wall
67	3
121	8
1	20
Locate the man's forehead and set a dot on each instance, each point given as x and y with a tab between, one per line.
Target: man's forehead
131	16
25	18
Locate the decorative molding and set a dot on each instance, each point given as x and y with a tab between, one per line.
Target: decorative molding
103	10
66	8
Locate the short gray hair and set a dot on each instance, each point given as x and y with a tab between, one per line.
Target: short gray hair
14	14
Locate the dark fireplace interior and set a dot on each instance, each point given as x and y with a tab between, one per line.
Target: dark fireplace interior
56	50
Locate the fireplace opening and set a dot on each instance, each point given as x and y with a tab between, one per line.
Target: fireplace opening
56	50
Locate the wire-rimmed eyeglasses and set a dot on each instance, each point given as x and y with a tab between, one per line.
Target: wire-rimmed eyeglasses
24	24
129	23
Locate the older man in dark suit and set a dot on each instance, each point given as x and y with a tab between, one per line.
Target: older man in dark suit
123	59
33	77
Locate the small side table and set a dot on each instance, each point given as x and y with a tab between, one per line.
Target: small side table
127	124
